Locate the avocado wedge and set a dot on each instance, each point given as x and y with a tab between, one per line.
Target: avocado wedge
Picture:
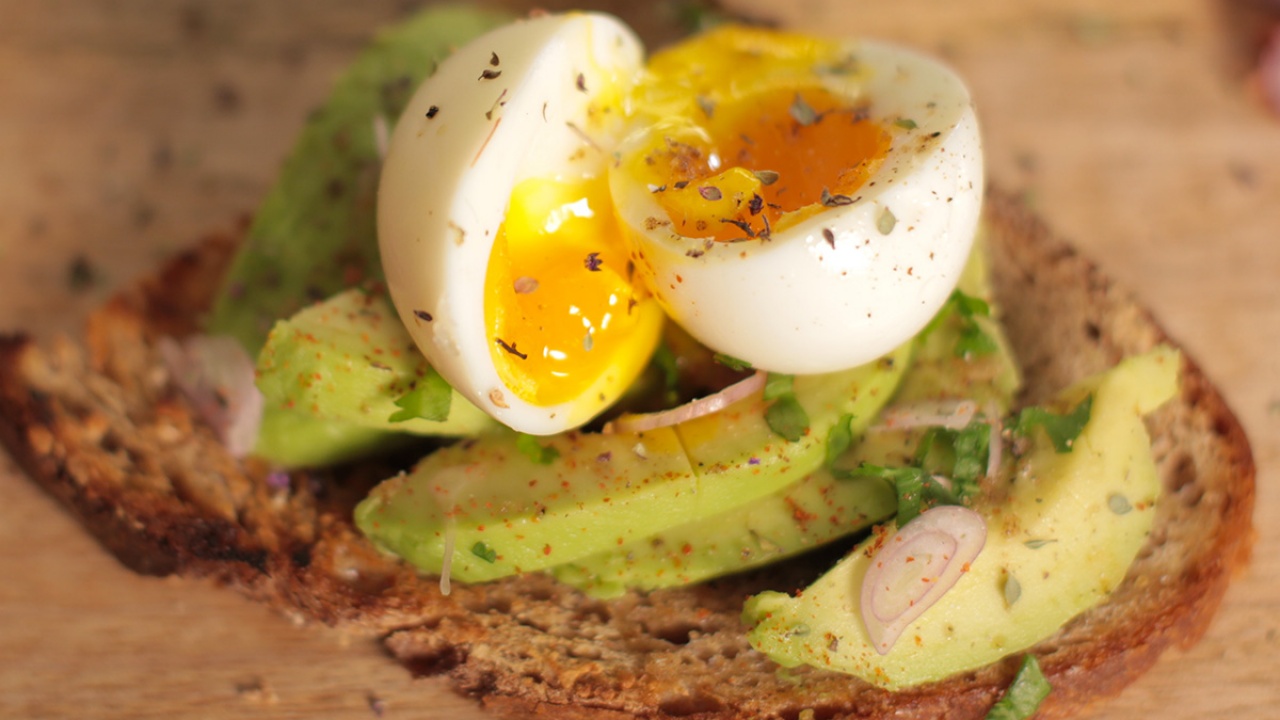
1063	528
485	508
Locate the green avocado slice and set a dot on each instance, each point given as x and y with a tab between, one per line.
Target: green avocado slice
314	234
822	507
1063	537
350	359
485	508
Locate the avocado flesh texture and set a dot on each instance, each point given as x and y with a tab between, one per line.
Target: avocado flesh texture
493	511
349	358
1067	531
820	508
314	234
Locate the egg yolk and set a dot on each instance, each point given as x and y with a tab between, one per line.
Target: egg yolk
750	139
560	306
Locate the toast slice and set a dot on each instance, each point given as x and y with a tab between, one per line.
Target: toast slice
99	425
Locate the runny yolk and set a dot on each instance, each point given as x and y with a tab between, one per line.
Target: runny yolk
560	309
770	154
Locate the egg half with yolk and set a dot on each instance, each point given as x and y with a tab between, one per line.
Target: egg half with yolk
803	205
498	236
547	198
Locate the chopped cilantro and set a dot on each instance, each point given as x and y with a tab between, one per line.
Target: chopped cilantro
777	385
1119	504
917	489
787	418
973	339
1061	429
839	438
1028	690
886	222
484	552
959	454
1012	589
536	451
972	446
429	399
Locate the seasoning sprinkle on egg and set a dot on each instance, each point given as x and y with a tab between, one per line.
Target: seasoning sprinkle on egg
748	163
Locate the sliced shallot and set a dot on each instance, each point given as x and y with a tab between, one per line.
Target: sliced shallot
954	415
915	567
703	406
217	376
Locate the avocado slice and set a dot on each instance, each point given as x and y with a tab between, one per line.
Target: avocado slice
822	507
1065	532
485	509
349	358
314	233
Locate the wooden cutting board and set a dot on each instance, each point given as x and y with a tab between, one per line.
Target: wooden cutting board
128	129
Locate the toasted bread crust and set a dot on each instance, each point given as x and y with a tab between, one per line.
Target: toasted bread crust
100	428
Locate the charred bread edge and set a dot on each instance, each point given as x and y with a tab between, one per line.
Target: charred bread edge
163	533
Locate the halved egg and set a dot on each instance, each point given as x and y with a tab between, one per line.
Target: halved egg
803	205
501	248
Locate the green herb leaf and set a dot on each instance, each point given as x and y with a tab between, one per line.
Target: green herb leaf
973	339
777	385
731	362
484	552
905	123
959	454
839	438
787	418
1028	690
802	112
1012	589
1119	504
1061	429
1038	543
536	451
886	222
429	399
972	445
917	489
969	306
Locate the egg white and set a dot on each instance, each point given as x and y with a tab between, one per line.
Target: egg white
849	284
509	106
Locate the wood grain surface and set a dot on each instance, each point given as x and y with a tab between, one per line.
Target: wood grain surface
129	128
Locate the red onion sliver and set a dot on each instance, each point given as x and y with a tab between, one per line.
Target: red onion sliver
954	415
217	377
915	567
702	406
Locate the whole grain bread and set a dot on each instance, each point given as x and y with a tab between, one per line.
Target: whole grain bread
99	425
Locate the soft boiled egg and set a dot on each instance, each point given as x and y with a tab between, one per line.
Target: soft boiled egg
810	204
802	205
499	241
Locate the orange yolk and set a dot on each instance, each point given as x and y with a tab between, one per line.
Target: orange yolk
769	154
559	304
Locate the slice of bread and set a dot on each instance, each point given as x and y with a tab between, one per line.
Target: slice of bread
99	425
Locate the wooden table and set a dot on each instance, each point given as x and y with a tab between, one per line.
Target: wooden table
129	128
